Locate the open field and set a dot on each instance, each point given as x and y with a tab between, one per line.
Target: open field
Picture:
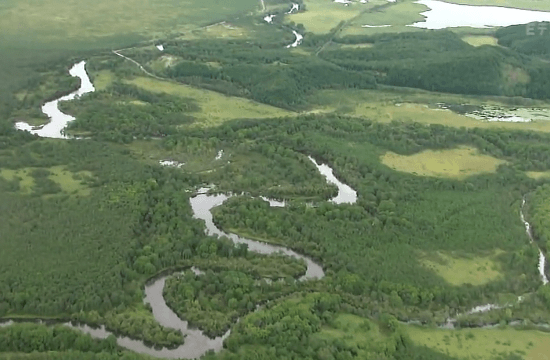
518	4
216	107
456	163
321	15
70	182
476	270
419	106
398	15
102	79
484	343
480	40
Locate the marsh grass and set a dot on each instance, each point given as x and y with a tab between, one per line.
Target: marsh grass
480	40
457	270
215	107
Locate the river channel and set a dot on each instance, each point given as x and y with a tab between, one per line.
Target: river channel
59	120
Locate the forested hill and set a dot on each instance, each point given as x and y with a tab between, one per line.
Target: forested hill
442	61
516	38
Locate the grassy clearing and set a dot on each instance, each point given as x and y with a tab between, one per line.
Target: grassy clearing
538	174
518	4
218	31
415	106
356	46
480	40
477	270
323	15
399	15
216	107
484	343
164	62
26	182
70	182
354	331
102	79
456	163
514	76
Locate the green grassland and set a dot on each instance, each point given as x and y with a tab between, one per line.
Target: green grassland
484	344
476	270
215	107
457	163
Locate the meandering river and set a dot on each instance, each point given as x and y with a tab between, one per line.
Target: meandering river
196	343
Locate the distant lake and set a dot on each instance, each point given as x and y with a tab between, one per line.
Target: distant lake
444	15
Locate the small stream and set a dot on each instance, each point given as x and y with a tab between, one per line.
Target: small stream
58	120
541	267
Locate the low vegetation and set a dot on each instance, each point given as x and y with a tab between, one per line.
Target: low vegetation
457	163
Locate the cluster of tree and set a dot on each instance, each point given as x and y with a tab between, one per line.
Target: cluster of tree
115	116
29	338
214	301
134	323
